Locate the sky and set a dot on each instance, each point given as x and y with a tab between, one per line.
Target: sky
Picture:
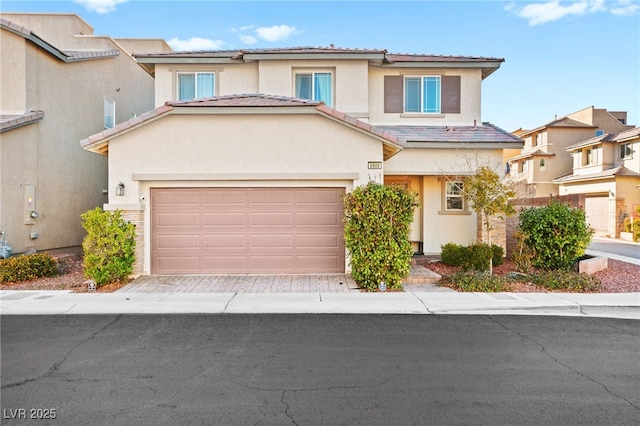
560	56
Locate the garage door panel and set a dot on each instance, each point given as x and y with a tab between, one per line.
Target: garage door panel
247	230
225	219
596	211
177	198
271	219
230	241
224	197
318	198
270	263
274	241
178	220
318	219
224	264
182	241
258	197
317	241
172	264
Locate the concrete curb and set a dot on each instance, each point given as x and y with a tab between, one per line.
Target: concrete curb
610	305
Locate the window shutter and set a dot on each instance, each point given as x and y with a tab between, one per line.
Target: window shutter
451	94
393	93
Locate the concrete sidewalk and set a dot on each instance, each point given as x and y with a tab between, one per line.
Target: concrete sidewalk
610	305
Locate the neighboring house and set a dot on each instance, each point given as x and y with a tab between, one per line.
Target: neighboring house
544	158
242	166
606	169
59	83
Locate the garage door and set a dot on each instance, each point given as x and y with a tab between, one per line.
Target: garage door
596	209
247	230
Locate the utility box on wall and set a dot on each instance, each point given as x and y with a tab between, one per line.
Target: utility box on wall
30	213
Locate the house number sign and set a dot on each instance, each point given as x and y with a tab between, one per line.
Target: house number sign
375	164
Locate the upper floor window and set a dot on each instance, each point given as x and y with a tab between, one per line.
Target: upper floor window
109	113
536	140
427	94
587	157
543	164
625	151
599	133
422	94
196	85
316	86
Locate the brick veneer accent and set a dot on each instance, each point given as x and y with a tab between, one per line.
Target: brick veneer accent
137	218
498	233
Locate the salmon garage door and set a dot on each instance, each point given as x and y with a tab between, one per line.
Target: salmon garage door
247	230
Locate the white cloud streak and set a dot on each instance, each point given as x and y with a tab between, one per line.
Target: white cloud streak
542	13
195	43
269	34
100	6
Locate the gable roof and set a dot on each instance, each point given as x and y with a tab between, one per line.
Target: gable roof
65	56
485	136
377	56
536	153
606	174
99	143
607	137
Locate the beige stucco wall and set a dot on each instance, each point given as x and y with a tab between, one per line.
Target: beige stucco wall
470	107
56	28
47	154
220	150
13	85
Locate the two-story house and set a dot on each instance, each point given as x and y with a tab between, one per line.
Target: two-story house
58	84
606	169
544	158
242	165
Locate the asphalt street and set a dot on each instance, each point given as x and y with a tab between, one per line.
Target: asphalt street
616	247
319	369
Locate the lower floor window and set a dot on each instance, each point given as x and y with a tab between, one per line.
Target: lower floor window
454	200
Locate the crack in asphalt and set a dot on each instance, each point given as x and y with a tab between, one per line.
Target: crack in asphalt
557	361
56	366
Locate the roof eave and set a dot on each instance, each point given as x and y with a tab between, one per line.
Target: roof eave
463	145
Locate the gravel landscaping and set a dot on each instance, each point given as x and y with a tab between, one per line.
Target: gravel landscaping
620	277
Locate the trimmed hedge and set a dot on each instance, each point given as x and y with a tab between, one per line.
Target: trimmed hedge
377	226
473	257
28	267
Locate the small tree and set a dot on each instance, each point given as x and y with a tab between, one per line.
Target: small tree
377	225
558	234
108	246
489	198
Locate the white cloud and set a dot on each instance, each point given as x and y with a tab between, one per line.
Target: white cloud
247	39
275	33
194	43
100	6
625	8
541	13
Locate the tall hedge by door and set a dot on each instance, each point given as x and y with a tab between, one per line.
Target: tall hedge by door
109	246
377	226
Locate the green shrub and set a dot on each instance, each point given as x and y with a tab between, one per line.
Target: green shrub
108	246
478	281
377	225
453	254
28	267
473	257
498	255
558	234
634	229
566	280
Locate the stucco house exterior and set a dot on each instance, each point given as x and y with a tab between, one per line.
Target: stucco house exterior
58	84
606	169
242	165
544	157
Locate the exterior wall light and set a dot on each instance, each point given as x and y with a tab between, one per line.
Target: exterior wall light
120	189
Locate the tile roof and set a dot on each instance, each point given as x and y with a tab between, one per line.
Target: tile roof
66	56
99	141
607	137
418	136
11	121
536	153
609	173
244	100
408	57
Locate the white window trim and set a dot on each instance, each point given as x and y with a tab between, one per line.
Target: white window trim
421	112
108	102
195	73
444	210
313	71
630	155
